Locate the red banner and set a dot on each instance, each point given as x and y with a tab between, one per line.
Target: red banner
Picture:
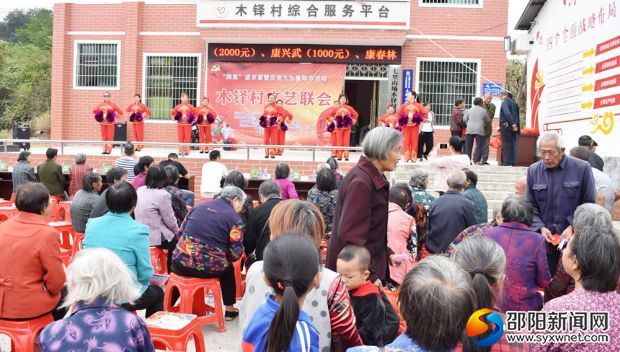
238	91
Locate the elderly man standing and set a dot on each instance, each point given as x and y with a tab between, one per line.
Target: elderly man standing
488	128
509	128
449	214
475	119
556	186
521	186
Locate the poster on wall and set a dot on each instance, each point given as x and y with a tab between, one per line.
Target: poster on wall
574	72
238	91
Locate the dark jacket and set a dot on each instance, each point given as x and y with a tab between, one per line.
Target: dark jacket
50	174
447	217
509	115
488	128
100	208
361	217
456	120
257	231
596	161
376	320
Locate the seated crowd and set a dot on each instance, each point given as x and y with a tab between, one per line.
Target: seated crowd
404	269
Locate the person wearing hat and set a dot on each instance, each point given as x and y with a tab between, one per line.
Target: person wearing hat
595	160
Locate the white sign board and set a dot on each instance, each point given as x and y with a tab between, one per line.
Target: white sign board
390	14
574	72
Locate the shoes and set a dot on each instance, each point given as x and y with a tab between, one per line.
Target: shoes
273	157
420	160
266	156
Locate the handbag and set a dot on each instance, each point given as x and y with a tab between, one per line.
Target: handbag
496	141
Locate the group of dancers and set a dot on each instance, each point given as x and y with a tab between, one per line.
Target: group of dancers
275	121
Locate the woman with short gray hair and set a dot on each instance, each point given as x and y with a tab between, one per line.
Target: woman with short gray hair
362	205
77	172
419	184
84	201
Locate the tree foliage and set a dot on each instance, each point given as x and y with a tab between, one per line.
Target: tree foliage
516	82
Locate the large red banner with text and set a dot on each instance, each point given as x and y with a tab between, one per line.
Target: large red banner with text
238	91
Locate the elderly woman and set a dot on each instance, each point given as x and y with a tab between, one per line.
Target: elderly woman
140	170
477	230
526	256
362	207
97	280
236	178
436	300
211	240
419	184
77	172
176	196
324	195
23	171
329	305
286	186
85	200
333	165
446	164
31	274
154	209
592	259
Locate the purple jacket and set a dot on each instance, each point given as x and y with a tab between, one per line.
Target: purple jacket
154	209
288	188
526	265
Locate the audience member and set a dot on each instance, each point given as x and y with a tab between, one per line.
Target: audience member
521	186
478	229
85	200
140	170
236	178
77	172
592	259
114	176
176	196
419	184
362	206
324	195
594	159
509	128
173	160
96	281
154	209
476	118
556	186
128	161
449	215
287	186
32	274
51	176
472	193
257	231
329	306
291	269
436	299
527	268
213	172
210	241
457	125
446	164
333	165
605	193
23	171
425	142
128	239
488	127
401	232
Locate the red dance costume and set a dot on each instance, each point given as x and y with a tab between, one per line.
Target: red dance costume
270	121
206	117
138	113
344	116
388	120
286	118
411	130
106	114
185	114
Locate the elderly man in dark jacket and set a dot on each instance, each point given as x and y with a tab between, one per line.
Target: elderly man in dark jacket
509	127
50	175
257	230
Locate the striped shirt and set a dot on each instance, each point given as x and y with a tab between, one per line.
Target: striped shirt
127	163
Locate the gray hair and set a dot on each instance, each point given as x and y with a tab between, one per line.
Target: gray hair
497	210
269	189
457	180
551	136
231	193
80	158
322	166
590	214
380	141
518	209
99	273
436	299
503	92
418	178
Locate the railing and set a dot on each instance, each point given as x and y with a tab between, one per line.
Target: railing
247	147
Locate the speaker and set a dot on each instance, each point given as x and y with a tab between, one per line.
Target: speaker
9	147
22	131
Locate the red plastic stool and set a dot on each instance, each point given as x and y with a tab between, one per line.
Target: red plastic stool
192	293
172	331
67	234
24	334
78	240
239	276
55	213
159	260
64	211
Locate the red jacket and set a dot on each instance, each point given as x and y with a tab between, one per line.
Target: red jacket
31	270
185	109
286	116
344	109
204	111
139	107
388	120
411	108
109	106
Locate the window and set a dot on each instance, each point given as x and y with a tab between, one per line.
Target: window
451	3
96	65
165	78
442	82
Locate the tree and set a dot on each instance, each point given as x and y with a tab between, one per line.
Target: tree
17	19
516	83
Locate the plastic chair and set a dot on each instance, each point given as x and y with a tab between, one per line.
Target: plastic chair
78	239
7	213
240	276
23	334
192	293
173	331
159	260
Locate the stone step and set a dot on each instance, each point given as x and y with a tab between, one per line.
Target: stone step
484	169
491	178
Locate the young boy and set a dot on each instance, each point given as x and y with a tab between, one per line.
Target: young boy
374	320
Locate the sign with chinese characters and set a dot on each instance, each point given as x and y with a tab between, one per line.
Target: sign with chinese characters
304	53
394	85
491	88
386	14
238	92
407	84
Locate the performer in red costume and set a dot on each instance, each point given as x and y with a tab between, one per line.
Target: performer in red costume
185	115
410	116
106	114
344	118
285	120
389	119
270	122
138	113
206	117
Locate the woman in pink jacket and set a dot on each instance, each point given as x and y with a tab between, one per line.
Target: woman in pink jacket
401	232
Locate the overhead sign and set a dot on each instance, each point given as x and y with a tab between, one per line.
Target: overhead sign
407	84
304	53
491	88
386	14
